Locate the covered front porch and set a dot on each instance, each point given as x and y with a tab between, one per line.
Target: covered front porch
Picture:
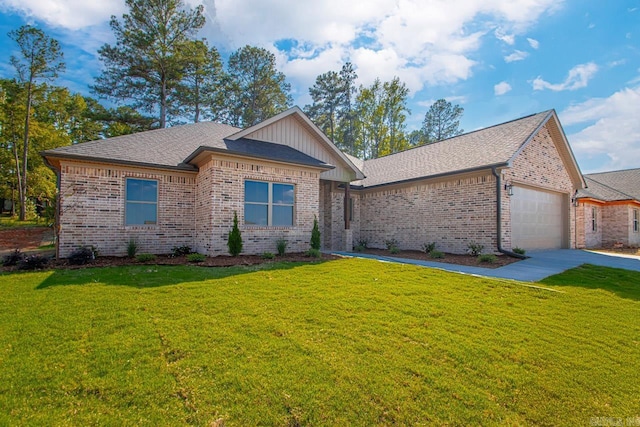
339	216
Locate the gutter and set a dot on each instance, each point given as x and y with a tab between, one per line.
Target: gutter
499	217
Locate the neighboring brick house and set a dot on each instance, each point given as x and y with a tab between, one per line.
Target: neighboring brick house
608	210
505	186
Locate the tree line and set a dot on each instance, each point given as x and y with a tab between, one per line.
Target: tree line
158	73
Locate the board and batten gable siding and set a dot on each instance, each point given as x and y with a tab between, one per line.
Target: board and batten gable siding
289	131
92	209
540	166
220	193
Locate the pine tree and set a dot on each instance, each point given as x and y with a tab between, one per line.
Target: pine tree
315	235
235	237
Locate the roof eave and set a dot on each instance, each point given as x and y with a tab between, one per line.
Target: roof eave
203	149
439	175
183	167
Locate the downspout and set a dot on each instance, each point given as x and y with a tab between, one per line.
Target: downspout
499	217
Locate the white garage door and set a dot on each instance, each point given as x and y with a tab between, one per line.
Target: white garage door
537	220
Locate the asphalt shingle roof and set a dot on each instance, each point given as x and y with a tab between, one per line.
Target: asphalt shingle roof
170	147
611	186
486	147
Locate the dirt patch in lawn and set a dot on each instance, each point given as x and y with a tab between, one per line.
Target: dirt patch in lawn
501	260
26	239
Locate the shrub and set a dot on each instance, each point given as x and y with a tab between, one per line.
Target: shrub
315	235
82	255
519	251
132	249
394	250
145	257
235	237
391	243
196	257
428	247
474	248
314	253
364	243
436	254
490	258
359	248
33	262
268	255
13	258
281	246
177	251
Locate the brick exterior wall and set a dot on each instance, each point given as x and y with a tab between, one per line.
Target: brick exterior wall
332	208
193	209
451	213
585	236
539	165
616	224
220	192
92	206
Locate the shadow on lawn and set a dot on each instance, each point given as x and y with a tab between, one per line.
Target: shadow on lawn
624	283
153	276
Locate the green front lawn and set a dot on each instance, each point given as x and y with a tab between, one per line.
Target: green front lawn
347	342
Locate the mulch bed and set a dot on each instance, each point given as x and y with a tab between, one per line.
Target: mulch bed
501	260
217	261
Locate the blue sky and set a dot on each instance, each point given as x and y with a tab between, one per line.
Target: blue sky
499	59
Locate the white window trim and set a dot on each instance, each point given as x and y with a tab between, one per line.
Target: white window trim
270	204
594	219
126	201
636	221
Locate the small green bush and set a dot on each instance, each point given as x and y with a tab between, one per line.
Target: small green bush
33	262
394	250
315	235
436	254
196	257
519	251
364	243
359	248
314	253
132	249
427	248
13	258
474	248
268	255
82	255
488	258
391	243
145	257
235	237
177	251
281	246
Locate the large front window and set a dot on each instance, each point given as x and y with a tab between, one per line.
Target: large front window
268	203
141	202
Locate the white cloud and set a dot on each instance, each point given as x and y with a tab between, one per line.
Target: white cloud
611	128
69	14
509	39
535	44
501	88
518	55
424	42
577	78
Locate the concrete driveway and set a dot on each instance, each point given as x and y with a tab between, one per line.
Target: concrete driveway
541	264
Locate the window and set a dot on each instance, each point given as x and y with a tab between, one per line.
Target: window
636	218
594	221
268	203
141	202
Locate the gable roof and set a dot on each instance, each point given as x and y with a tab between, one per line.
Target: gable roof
613	185
304	121
176	147
495	146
